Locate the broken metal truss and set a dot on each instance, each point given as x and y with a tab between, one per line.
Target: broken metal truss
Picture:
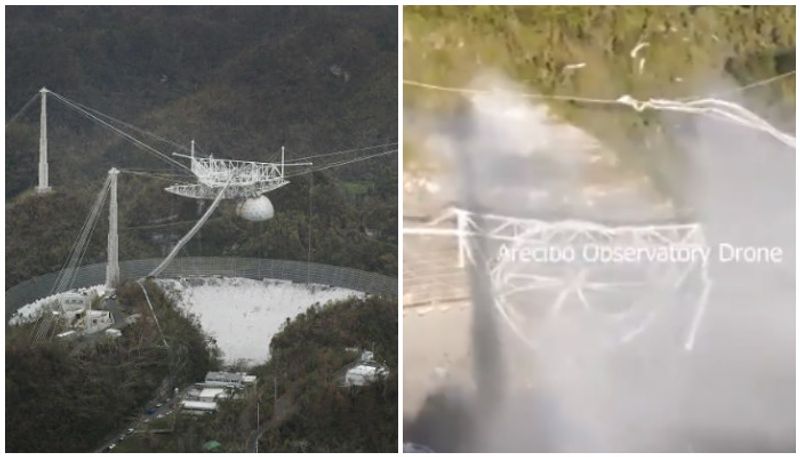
623	299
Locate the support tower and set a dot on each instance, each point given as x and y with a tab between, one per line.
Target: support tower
44	185
112	266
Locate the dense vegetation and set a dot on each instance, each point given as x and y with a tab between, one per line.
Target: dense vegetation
691	51
69	396
241	81
308	357
315	413
688	46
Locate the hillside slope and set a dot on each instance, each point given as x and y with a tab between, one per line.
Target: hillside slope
242	82
581	51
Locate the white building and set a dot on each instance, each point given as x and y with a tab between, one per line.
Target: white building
203	397
68	335
213	394
97	320
365	370
363	374
198	407
73	300
207	394
71	306
367	356
229	379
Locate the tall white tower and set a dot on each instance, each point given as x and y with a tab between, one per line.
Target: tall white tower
112	266
44	185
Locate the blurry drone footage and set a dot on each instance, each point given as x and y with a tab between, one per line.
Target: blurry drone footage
662	134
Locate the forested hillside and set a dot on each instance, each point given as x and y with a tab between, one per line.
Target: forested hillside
67	396
308	357
586	51
313	410
240	81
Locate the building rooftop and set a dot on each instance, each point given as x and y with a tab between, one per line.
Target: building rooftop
212	393
227	377
199	405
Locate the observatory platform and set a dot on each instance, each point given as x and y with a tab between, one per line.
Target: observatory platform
236	179
247	179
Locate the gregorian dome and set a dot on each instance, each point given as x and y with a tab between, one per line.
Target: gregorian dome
255	209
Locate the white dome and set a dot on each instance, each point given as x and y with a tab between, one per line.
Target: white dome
255	209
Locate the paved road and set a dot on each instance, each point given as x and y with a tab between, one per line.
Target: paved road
139	421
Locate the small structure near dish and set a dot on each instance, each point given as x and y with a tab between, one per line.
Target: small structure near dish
68	335
197	407
72	306
203	397
365	371
72	300
97	320
233	380
363	374
241	180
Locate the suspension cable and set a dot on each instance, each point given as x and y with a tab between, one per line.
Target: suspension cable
168	224
152	310
182	242
308	261
339	164
66	274
171	178
22	110
711	107
343	152
130	126
122	133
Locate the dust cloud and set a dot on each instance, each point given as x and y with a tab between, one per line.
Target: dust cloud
733	391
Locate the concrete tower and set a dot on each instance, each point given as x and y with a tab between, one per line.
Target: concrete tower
112	266
44	185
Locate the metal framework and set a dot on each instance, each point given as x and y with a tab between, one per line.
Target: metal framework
244	179
624	298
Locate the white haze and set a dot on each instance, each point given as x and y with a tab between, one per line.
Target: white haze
735	391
